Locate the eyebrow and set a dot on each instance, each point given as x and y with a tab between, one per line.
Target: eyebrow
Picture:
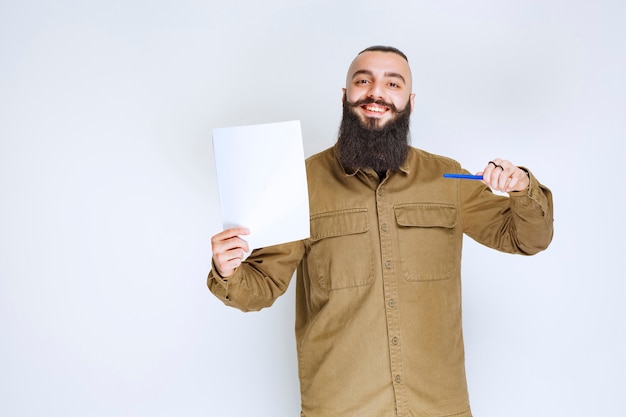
371	74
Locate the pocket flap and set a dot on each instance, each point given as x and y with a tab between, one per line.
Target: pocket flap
426	215
339	223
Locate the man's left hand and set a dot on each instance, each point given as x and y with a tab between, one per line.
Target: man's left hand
501	175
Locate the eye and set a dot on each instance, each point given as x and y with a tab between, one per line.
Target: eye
361	82
394	85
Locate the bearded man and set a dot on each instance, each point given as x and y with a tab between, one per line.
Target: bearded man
378	289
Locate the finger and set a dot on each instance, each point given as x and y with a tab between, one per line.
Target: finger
228	245
488	169
492	173
519	181
505	175
231	232
229	256
228	249
228	267
229	235
227	261
504	182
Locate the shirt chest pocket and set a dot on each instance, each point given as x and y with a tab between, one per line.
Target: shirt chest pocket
428	240
341	254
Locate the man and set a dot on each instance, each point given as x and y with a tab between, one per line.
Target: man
378	292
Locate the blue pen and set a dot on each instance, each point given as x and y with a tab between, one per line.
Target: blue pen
464	176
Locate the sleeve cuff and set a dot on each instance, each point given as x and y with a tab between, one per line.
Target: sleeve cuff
532	192
235	278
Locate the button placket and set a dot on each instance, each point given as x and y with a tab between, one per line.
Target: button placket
390	288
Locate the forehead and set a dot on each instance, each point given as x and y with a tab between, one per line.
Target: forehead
380	63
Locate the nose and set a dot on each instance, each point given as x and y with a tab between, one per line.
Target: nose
375	91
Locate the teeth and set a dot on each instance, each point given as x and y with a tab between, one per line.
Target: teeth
375	109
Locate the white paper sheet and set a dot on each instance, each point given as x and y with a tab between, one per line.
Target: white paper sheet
262	183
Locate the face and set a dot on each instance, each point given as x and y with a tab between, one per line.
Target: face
376	82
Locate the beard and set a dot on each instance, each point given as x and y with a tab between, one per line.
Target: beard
365	144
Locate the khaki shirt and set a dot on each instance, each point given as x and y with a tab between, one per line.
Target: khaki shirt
378	292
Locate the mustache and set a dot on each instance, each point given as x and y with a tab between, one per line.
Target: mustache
372	100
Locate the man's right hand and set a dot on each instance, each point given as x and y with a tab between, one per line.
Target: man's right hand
229	250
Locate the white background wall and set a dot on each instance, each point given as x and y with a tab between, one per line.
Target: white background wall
108	195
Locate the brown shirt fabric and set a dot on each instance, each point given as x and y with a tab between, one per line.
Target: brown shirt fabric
378	291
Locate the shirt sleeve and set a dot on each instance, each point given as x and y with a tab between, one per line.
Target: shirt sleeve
521	223
260	280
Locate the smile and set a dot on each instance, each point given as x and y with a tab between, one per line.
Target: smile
374	108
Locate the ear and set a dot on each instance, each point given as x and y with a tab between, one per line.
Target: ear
343	95
412	98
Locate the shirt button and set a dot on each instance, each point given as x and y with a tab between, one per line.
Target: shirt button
381	192
383	227
392	303
395	340
388	264
398	379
